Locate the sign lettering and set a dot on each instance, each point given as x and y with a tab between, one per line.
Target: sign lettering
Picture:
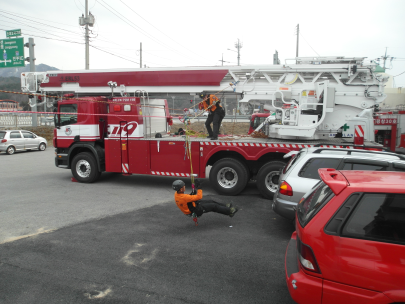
70	78
12	53
13	33
123	131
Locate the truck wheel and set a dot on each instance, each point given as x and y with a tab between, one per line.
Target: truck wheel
229	176
267	178
84	168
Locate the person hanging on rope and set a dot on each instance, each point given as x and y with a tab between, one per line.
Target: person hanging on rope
193	205
216	113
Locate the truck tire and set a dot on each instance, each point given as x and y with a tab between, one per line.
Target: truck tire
84	168
267	178
229	176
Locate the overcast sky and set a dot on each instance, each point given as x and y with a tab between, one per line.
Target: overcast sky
198	33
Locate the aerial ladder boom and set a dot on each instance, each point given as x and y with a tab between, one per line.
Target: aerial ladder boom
313	98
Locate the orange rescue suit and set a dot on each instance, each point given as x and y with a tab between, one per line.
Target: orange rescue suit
211	100
182	200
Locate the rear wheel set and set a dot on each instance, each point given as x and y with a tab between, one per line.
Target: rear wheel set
268	178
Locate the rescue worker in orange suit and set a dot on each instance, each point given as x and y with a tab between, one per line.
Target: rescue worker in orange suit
216	113
193	202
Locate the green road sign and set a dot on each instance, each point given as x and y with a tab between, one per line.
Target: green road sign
13	33
12	53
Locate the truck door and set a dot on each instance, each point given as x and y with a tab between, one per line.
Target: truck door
170	158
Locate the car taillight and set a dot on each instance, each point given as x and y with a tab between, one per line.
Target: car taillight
286	189
307	257
3	140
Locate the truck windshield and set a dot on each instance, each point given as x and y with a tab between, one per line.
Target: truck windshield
68	118
258	121
312	202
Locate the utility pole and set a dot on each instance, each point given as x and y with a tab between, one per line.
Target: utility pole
86	20
238	45
387	57
140	64
275	58
30	45
223	60
87	35
298	35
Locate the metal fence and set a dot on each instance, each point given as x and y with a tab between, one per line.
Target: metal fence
24	120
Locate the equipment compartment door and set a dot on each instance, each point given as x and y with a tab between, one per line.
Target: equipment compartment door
170	158
124	149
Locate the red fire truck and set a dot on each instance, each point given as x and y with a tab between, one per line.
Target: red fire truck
96	132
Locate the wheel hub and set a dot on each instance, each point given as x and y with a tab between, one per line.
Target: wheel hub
227	177
83	168
271	181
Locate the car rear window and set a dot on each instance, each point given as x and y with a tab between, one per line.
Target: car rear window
363	167
378	217
2	134
292	161
312	202
310	169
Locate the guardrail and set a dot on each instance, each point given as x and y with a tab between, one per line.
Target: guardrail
227	118
24	120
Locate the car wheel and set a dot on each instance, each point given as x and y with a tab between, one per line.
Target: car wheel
10	150
229	176
267	178
42	147
84	168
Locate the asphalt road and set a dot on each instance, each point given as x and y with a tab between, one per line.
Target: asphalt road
123	240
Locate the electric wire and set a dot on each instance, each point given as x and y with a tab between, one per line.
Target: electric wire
35	28
161	31
8	12
25	19
398	74
309	44
50	38
130	23
115	54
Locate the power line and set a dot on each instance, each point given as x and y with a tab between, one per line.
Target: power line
309	44
129	22
24	33
136	27
398	74
32	26
113	54
8	12
161	31
36	22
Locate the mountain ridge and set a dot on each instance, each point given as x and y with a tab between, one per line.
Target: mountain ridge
16	72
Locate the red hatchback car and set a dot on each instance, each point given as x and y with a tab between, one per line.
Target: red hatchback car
349	243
